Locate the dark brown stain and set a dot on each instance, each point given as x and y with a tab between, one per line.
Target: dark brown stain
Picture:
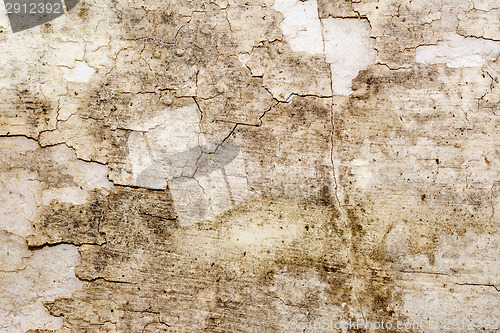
236	260
38	110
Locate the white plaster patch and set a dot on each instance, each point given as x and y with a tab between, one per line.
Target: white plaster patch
244	58
18	194
485	5
42	276
458	51
170	136
225	187
170	153
80	73
349	49
139	157
86	175
176	135
28	278
207	196
301	26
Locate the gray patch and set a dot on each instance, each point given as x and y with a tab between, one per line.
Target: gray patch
26	14
190	163
70	4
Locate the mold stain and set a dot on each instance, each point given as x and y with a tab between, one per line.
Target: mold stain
234	272
238	260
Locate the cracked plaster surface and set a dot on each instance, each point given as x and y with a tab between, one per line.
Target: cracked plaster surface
240	166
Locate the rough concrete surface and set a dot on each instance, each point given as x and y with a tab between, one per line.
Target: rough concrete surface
251	166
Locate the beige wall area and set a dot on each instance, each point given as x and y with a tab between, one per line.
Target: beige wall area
251	166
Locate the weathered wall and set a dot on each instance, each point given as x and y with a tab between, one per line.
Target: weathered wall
251	166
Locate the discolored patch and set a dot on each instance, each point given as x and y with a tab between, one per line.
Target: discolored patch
213	179
242	257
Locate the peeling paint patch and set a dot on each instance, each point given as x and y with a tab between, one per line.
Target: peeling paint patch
458	51
39	277
80	73
30	177
349	49
301	26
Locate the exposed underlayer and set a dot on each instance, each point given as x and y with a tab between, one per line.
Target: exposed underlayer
251	166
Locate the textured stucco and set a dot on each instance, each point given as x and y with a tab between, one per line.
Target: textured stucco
251	166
